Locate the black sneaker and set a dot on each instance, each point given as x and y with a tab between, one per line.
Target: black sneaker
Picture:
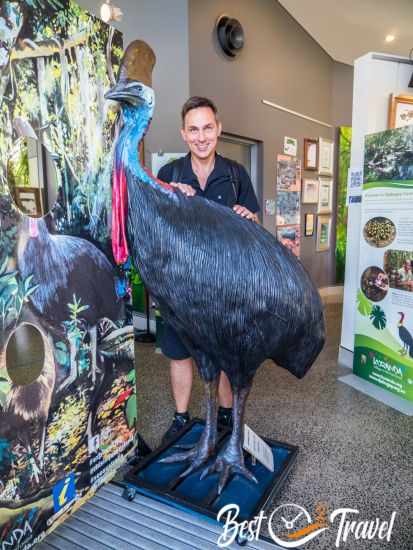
225	418
179	422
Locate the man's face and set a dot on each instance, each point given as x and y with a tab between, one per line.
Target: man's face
407	265
201	131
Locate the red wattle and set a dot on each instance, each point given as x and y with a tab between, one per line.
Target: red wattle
119	212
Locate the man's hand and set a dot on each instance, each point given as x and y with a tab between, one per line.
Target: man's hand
245	213
184	188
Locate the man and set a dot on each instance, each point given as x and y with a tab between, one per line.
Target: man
406	275
205	173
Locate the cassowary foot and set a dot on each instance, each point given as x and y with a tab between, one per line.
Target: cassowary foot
198	455
228	464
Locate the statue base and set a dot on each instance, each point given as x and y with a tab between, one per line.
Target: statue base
162	482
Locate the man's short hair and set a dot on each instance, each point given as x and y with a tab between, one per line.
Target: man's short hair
196	102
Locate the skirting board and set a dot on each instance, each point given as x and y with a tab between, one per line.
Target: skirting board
389	399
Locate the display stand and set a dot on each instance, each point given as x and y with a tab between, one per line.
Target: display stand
162	481
376	77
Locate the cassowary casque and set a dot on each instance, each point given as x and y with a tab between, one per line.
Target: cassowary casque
233	293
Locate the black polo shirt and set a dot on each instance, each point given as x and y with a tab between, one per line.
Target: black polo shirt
219	187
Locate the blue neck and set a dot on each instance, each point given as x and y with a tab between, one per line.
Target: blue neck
137	121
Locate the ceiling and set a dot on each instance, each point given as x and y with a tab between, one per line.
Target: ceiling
348	29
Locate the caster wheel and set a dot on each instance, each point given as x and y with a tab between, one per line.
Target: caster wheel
129	494
242	540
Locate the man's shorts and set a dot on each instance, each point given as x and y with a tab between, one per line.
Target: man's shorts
171	345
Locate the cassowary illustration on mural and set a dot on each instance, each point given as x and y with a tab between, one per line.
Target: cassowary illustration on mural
233	293
64	266
405	337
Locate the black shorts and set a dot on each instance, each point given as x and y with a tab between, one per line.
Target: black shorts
171	345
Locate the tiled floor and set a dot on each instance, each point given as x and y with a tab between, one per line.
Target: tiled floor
354	451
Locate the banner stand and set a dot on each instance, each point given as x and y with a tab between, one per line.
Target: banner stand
378	393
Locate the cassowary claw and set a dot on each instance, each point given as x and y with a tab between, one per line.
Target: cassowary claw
183	446
226	470
197	455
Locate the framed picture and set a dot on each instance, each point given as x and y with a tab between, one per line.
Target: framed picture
325	156
400	111
29	201
325	196
310	154
323	233
290	146
309	225
310	191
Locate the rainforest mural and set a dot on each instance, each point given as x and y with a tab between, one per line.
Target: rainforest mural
63	432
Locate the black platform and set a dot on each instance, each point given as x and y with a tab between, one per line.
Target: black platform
162	482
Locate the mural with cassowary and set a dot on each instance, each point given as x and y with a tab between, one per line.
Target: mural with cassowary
63	433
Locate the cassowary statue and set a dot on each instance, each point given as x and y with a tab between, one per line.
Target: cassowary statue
233	293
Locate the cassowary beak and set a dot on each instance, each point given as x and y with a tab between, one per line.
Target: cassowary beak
127	91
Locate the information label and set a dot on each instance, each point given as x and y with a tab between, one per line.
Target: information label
257	447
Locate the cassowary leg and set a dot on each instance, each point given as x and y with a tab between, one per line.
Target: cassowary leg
42	446
74	370
230	460
93	350
205	447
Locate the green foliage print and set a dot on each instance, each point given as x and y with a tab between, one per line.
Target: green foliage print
378	317
14	293
342	209
364	306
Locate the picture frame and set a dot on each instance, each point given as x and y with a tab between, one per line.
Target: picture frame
323	233
325	196
400	111
310	154
325	156
309	225
310	191
29	201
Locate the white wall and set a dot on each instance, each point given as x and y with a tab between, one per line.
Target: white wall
376	77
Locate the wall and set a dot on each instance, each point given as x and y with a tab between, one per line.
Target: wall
342	94
280	63
164	25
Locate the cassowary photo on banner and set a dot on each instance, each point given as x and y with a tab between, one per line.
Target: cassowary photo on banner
67	420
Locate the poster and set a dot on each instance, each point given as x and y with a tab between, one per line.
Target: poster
66	430
288	219
160	159
383	351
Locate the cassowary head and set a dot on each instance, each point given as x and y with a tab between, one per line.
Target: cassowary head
134	87
134	92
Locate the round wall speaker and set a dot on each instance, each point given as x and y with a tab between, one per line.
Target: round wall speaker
230	35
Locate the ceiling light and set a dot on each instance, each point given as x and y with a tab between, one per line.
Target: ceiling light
390	38
109	12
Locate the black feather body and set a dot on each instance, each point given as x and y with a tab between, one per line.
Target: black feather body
233	293
61	266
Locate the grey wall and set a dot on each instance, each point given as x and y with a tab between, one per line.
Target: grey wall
280	63
163	24
342	94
